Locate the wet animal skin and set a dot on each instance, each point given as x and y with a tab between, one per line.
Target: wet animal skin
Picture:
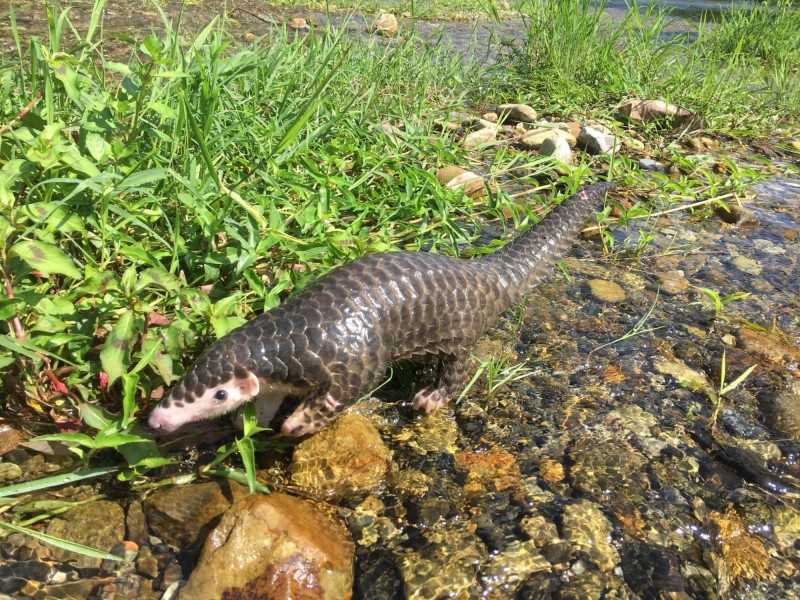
332	342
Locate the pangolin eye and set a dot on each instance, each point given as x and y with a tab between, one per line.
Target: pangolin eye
221	395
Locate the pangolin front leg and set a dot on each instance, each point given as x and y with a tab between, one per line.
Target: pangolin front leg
450	378
314	412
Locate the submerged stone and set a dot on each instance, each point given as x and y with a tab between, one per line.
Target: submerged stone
274	546
346	458
99	525
588	530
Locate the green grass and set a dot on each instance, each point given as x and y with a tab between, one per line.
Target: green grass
739	73
148	207
151	205
419	9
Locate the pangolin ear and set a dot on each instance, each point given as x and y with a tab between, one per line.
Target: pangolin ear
248	385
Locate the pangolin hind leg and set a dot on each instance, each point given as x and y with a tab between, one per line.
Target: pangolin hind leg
450	379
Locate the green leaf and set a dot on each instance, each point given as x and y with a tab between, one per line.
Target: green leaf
97	146
129	381
74	438
98	283
48	324
115	355
45	258
54	214
118	439
156	277
248	453
54	481
9	307
94	416
8	175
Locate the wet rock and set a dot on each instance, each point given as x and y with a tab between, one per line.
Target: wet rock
274	546
588	585
370	526
136	524
587	529
606	291
516	113
9	438
146	563
81	588
431	433
558	148
747	265
534	139
768	247
673	283
769	346
653	571
183	515
736	215
492	470
444	566
743	553
785	521
595	141
506	571
9	472
633	418
786	405
346	458
410	483
99	525
483	136
551	470
384	24
687	377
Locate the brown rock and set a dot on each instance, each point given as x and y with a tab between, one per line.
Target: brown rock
136	524
673	283
516	113
490	116
768	345
146	563
483	136
347	457
299	23
274	546
493	470
183	515
9	438
99	525
606	291
648	110
385	24
456	177
535	138
736	215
